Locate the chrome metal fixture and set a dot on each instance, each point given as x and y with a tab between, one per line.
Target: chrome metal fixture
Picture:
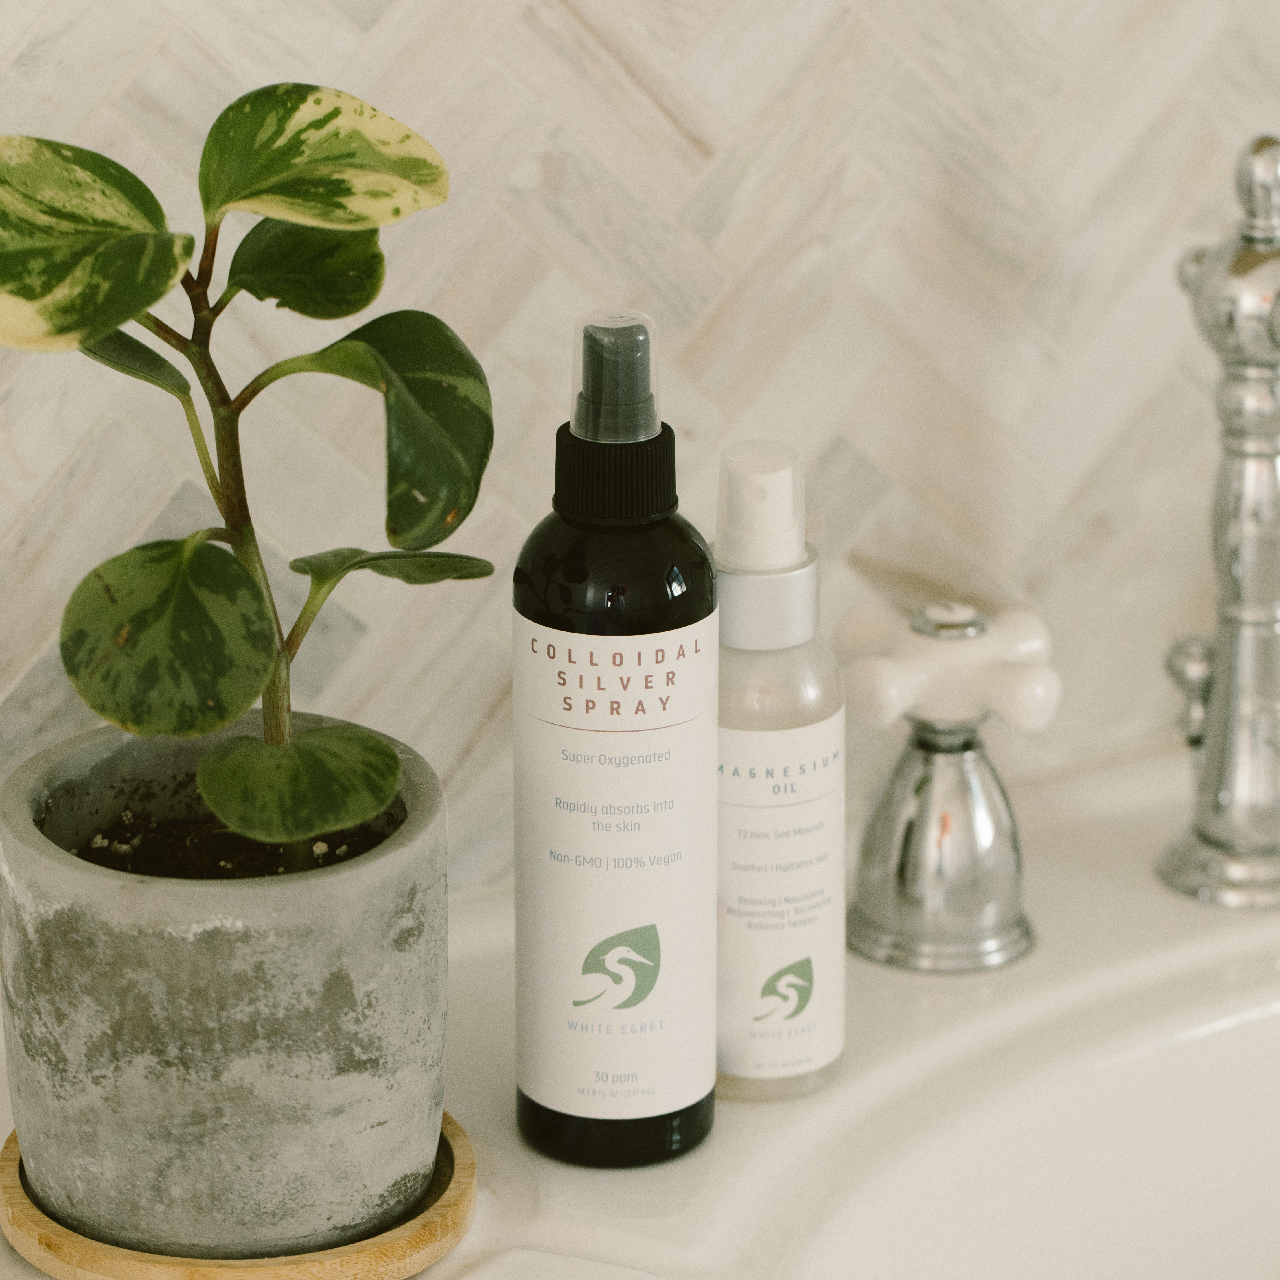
939	879
1231	854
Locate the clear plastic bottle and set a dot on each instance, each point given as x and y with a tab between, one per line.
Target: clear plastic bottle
781	957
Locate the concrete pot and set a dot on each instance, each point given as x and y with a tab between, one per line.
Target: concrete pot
218	1069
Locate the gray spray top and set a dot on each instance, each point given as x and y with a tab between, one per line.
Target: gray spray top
614	376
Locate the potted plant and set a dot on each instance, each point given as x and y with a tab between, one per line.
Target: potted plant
224	1021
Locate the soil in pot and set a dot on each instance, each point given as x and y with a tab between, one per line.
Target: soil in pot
198	846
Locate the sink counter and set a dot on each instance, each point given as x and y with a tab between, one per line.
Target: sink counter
987	1125
925	1053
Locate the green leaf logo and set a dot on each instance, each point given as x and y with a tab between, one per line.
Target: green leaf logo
630	961
791	988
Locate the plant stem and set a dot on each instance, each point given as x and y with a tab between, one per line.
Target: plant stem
229	494
294	364
154	324
205	273
202	448
277	712
316	597
276	720
221	305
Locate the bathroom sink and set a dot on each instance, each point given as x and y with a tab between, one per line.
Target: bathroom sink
1152	1151
1107	1106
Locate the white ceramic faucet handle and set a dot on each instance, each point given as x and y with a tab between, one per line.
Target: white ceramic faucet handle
952	664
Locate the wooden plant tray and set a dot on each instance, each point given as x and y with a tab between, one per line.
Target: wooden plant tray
396	1254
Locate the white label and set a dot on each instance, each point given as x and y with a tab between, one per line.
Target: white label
781	919
615	821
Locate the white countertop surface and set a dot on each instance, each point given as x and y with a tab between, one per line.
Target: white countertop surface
922	1050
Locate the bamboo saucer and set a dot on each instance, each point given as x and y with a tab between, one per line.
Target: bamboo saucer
395	1254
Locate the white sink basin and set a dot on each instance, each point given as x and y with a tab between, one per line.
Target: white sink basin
1139	1139
1107	1107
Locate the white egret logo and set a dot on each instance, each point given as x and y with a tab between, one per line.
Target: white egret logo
790	987
630	961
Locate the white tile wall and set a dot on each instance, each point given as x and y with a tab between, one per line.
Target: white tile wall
929	241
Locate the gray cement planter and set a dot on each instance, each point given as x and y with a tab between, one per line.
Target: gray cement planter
235	1068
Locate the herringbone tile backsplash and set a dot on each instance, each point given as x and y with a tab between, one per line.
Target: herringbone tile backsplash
930	242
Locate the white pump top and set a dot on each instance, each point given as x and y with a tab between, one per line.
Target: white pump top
767	577
760	516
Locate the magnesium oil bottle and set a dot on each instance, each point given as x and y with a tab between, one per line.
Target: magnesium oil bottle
615	671
781	887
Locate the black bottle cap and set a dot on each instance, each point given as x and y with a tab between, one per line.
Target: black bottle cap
615	460
616	483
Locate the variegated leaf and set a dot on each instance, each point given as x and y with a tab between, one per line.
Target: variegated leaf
169	637
318	156
315	271
328	568
325	779
439	418
84	245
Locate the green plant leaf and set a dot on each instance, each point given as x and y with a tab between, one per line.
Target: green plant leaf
84	245
170	637
315	271
439	418
124	353
439	426
328	568
317	156
323	780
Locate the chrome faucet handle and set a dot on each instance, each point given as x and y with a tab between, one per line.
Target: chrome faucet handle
939	877
1189	663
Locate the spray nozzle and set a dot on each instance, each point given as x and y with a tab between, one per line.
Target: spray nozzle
615	402
760	514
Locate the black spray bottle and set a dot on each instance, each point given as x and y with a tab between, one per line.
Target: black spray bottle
615	738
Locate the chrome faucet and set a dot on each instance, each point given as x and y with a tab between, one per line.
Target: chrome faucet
1231	854
939	878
